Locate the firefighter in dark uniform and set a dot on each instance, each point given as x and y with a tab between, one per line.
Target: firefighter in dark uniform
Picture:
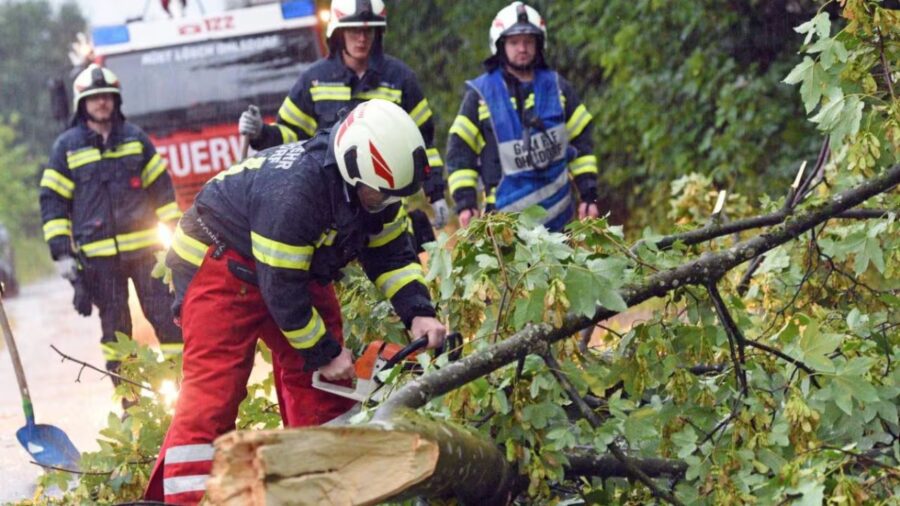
102	197
252	259
522	132
355	70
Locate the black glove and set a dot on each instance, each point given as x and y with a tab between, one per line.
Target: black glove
82	299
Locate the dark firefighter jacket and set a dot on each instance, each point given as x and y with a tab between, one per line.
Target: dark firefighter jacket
472	147
289	210
107	197
328	86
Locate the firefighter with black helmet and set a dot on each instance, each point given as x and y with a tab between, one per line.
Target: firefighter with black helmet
522	131
355	70
102	196
261	244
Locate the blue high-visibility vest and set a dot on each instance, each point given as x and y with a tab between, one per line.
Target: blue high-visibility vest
535	176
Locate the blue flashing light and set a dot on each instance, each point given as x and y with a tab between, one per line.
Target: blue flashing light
110	35
297	9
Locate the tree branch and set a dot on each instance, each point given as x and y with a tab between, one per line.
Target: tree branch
631	469
534	338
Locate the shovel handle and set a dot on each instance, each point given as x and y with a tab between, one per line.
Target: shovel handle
245	147
17	365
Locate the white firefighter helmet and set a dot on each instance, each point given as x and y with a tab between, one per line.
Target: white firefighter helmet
514	19
349	13
94	80
378	145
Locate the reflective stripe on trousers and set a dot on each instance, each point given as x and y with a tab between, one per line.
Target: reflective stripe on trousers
218	358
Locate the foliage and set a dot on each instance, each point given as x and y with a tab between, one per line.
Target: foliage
827	432
34	40
674	87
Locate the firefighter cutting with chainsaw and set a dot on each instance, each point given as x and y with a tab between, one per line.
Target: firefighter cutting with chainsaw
356	69
102	196
522	131
254	257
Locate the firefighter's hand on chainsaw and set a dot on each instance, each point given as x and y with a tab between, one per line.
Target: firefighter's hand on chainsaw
340	367
251	122
431	327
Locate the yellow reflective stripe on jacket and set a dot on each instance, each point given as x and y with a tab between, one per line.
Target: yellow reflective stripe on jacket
529	101
279	254
382	92
60	226
293	115
421	113
287	135
586	164
462	178
125	149
132	241
171	350
58	183
468	132
578	121
308	335
168	212
187	248
434	157
327	238
82	157
491	197
391	230
484	112
329	92
151	172
392	281
252	163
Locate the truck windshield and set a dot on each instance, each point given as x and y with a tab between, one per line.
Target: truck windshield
192	85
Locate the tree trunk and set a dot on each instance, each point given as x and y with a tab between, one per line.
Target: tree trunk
405	456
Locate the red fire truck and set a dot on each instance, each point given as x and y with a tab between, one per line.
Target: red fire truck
186	81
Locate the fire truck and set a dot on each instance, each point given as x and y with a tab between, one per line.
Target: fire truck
186	81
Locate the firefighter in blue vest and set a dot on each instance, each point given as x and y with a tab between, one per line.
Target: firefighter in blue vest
355	70
522	132
102	196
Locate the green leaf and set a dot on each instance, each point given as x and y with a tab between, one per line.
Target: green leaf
815	346
848	122
640	425
813	87
799	73
530	309
582	291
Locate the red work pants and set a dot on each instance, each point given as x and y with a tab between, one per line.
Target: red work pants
222	318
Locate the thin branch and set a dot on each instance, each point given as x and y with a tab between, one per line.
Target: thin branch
101	371
787	358
735	337
885	65
631	469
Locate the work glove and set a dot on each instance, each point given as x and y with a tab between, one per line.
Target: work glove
82	299
251	122
441	213
66	267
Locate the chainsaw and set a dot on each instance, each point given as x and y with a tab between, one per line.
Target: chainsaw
381	356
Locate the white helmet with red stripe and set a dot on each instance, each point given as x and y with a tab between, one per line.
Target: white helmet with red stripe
514	19
349	13
379	146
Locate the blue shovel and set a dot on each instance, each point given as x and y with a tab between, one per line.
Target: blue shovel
48	445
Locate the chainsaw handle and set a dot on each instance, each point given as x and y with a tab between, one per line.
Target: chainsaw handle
332	388
406	351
